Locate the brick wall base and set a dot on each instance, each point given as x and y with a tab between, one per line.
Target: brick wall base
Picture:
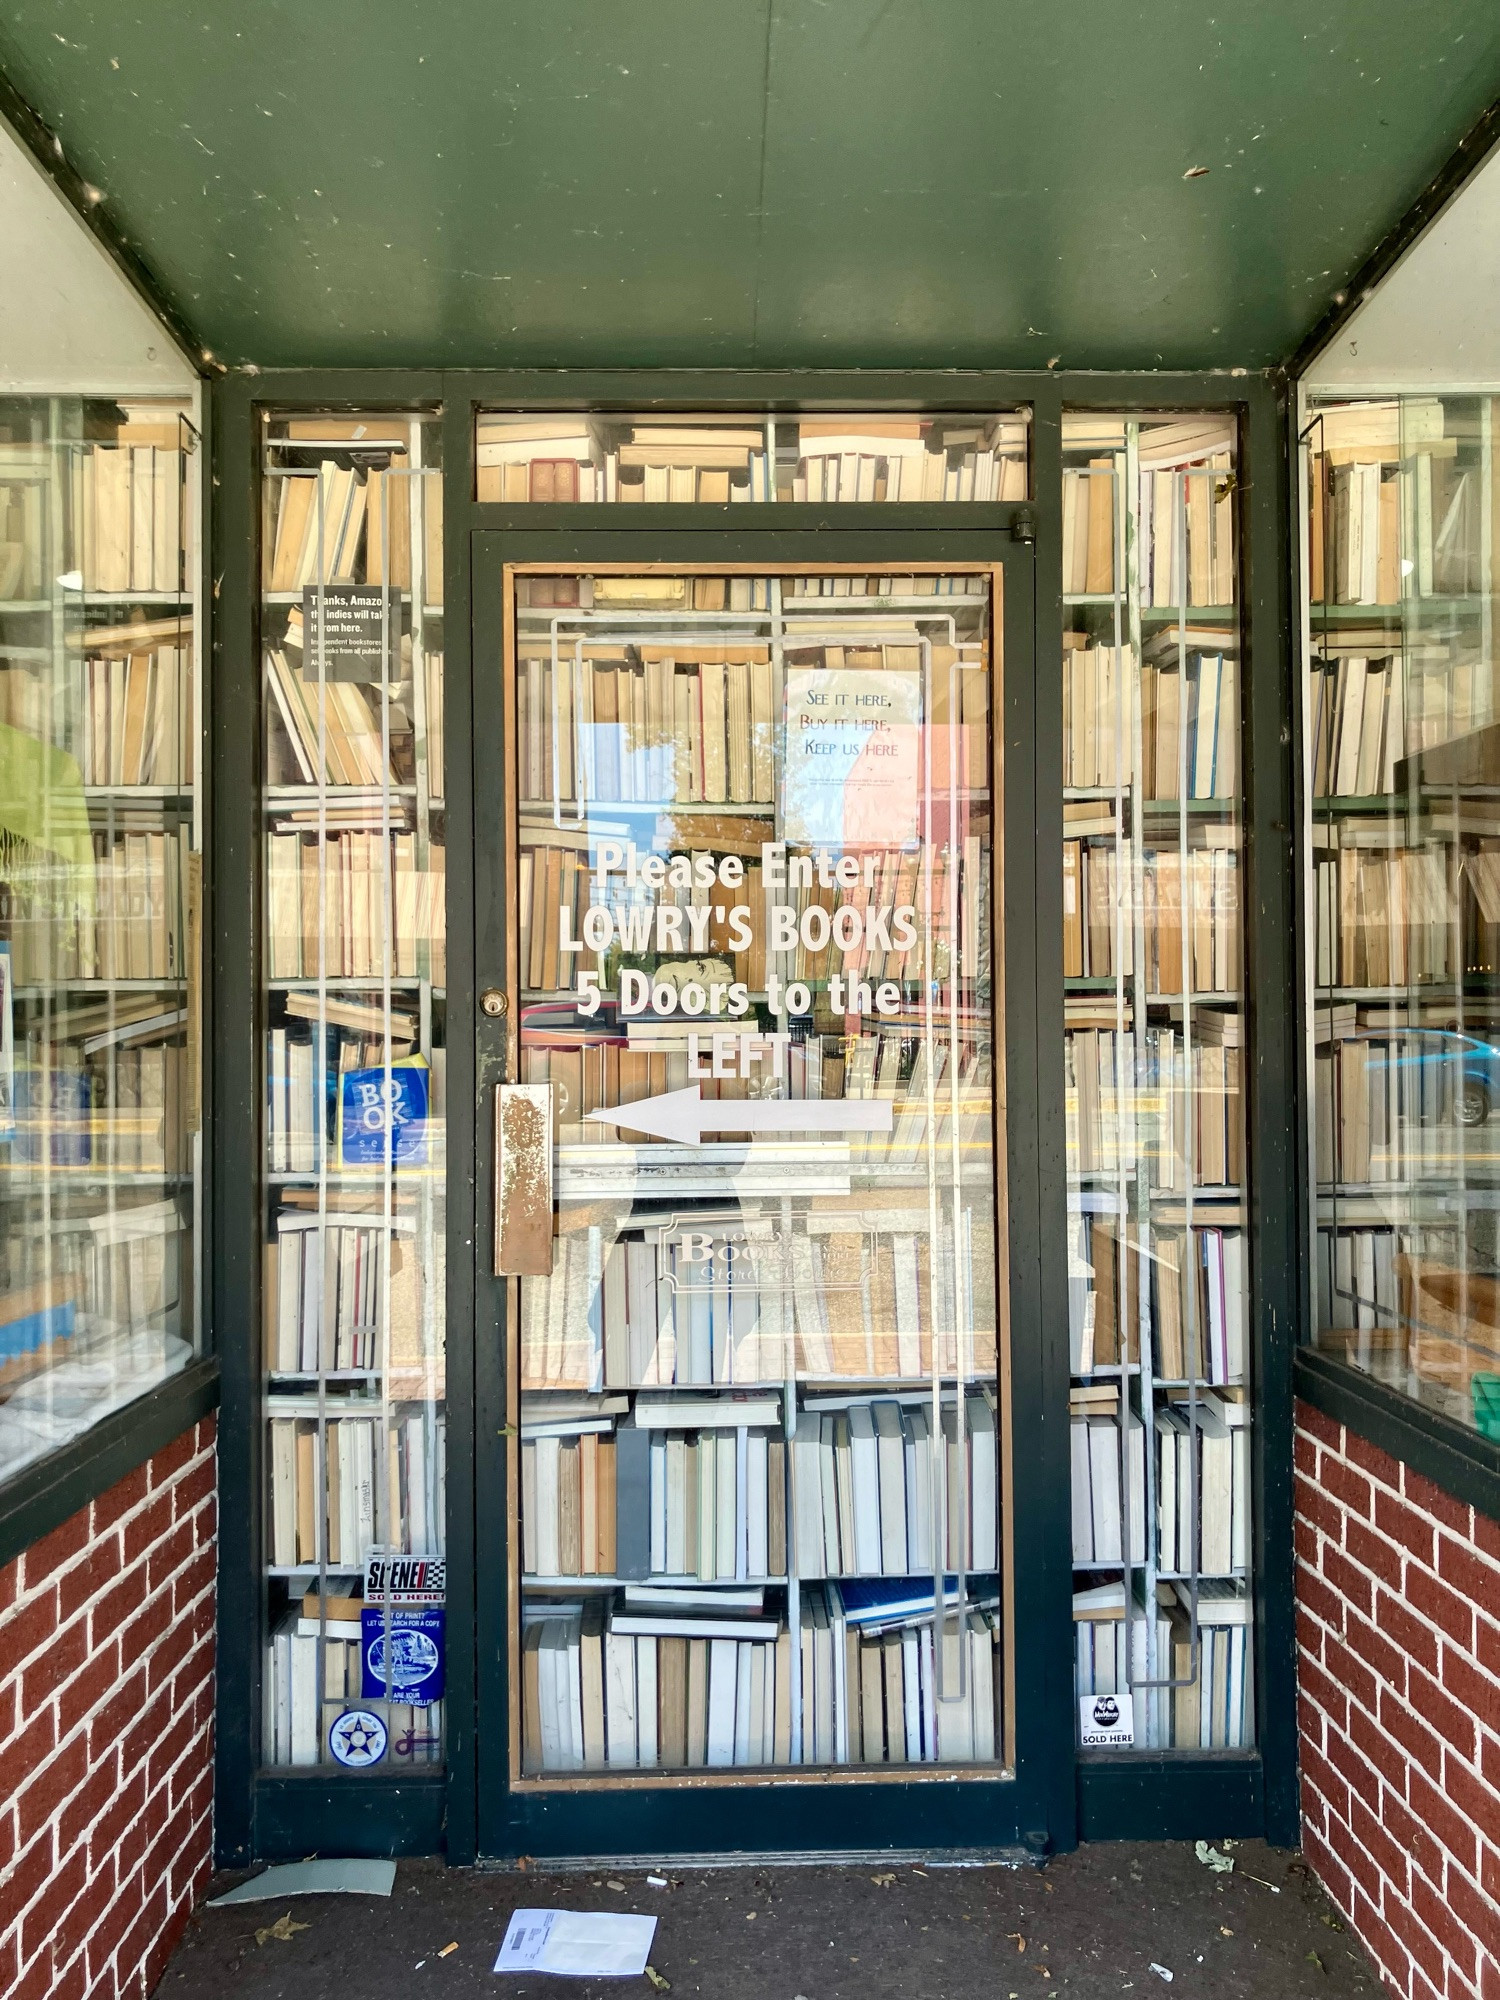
106	1734
1398	1630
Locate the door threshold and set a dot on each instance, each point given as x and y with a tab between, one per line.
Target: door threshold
835	1857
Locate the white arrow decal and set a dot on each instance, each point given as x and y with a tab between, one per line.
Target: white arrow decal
683	1115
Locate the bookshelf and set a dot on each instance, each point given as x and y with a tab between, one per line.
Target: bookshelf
713	460
1402	774
1154	976
99	907
354	967
759	1390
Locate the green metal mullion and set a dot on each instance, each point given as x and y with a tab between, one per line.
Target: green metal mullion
457	787
485	1060
1188	392
1049	1567
1273	1080
331	389
232	980
782	391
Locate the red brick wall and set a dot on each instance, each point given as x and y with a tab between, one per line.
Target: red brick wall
106	1733
1398	1620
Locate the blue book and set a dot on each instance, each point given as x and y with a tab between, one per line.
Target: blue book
881	1600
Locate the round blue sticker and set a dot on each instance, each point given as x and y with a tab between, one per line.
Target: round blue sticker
358	1738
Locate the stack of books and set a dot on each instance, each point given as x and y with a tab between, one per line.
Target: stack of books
336	906
1203	1485
647	725
635	1312
128	720
381	1483
1102	1493
1208	1700
649	1683
1358	726
128	505
99	906
862	1487
1182	904
1189	717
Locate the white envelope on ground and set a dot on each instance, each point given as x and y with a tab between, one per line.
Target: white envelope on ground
578	1944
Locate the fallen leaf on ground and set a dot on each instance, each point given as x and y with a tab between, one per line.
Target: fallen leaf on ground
1313	1959
1221	1864
283	1928
448	1949
883	1881
1017	1940
661	1985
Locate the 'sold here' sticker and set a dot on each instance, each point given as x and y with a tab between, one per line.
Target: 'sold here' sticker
1107	1721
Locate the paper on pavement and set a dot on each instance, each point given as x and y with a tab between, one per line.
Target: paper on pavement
313	1878
576	1943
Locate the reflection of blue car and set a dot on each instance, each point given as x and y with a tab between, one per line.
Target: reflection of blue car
1447	1073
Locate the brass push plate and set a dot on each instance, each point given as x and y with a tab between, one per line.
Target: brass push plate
523	1180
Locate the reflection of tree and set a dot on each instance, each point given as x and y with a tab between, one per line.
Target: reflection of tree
46	858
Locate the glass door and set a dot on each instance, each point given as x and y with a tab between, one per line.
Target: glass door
749	1167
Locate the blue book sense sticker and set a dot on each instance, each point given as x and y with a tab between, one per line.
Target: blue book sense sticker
377	1102
401	1654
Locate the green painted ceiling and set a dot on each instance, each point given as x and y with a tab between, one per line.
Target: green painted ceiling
754	182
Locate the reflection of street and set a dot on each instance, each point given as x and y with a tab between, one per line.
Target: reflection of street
1440	1149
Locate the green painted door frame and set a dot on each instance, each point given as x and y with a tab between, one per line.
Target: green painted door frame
1056	1797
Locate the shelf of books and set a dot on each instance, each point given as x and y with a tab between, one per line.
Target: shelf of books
710	460
354	968
1402	734
1159	1306
760	1476
99	855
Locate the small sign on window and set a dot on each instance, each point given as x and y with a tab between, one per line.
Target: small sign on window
1107	1722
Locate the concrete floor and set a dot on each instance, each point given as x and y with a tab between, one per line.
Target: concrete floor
1089	1923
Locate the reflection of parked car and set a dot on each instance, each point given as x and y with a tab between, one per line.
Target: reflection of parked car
1454	1075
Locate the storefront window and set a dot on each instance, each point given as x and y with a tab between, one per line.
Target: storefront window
99	911
1402	737
760	1383
720	459
1153	941
354	1107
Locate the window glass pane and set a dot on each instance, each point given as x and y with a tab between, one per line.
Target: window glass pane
1158	1274
1403	778
759	1390
99	911
713	460
354	955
